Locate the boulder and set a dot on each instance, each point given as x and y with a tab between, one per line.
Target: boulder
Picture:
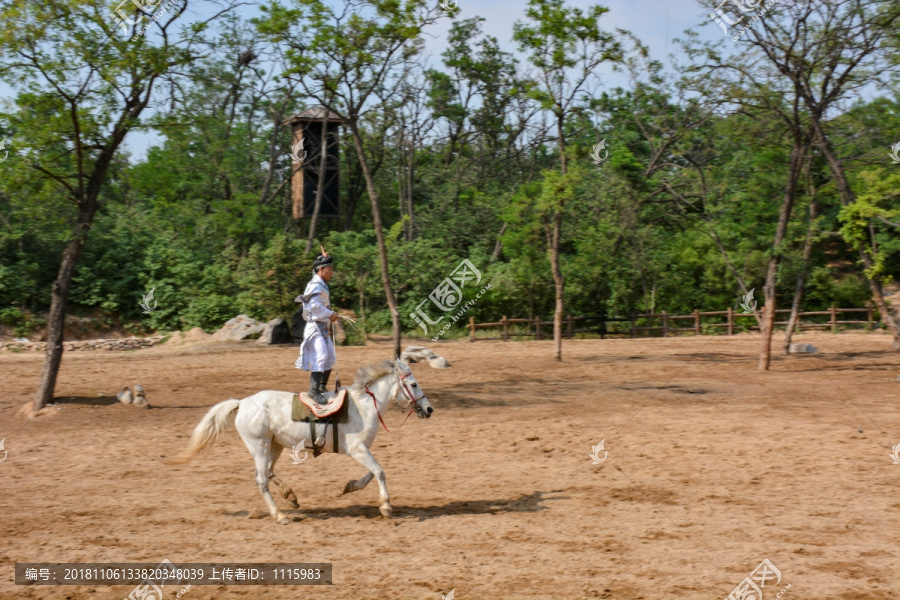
414	354
802	349
298	324
239	328
438	362
139	398
124	396
276	331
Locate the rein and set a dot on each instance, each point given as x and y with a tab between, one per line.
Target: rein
406	391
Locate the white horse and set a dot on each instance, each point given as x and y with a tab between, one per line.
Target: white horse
264	423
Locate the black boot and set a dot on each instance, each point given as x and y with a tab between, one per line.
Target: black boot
315	385
324	388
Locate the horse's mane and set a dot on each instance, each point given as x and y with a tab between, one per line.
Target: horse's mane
366	374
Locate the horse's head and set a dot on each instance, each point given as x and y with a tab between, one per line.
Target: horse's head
409	392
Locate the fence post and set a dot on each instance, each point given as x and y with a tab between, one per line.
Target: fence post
537	328
833	319
633	325
570	327
665	324
869	318
730	321
505	329
696	321
472	327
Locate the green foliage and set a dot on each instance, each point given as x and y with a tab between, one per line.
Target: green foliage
686	204
22	323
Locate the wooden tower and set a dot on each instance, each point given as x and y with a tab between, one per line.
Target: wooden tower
306	140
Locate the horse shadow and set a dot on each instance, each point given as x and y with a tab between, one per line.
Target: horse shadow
526	503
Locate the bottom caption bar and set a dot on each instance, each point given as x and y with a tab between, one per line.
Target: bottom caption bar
166	573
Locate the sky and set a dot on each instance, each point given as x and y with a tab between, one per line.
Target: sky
655	22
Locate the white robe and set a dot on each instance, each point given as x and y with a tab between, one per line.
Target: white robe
317	349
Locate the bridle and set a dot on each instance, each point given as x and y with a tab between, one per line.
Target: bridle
401	386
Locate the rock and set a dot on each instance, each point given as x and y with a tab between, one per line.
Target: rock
298	324
276	331
414	354
802	349
238	328
124	396
139	398
438	362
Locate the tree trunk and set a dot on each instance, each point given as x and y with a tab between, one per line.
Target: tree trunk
878	297
379	237
847	197
59	299
320	185
801	278
362	314
558	281
409	186
767	326
498	246
401	180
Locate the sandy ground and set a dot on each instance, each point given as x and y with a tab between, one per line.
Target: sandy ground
711	468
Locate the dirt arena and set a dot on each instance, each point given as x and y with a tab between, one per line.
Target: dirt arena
711	468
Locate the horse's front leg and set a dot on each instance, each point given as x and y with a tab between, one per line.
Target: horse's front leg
364	456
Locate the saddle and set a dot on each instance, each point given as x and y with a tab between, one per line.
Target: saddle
336	410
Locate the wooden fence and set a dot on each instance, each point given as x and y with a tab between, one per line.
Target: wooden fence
642	323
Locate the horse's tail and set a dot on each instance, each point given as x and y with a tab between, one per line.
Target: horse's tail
207	432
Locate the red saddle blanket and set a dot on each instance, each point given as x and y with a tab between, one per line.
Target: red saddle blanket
333	406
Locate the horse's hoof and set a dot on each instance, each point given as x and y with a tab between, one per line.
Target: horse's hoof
350	487
283	521
387	511
290	498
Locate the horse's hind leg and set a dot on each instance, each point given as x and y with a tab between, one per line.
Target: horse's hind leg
354	485
261	450
286	492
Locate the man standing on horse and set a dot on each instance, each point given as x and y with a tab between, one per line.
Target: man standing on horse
317	349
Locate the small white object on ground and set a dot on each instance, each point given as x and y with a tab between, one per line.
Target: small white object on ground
414	354
124	396
803	349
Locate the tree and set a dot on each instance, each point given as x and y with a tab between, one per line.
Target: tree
82	88
872	222
831	50
558	40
